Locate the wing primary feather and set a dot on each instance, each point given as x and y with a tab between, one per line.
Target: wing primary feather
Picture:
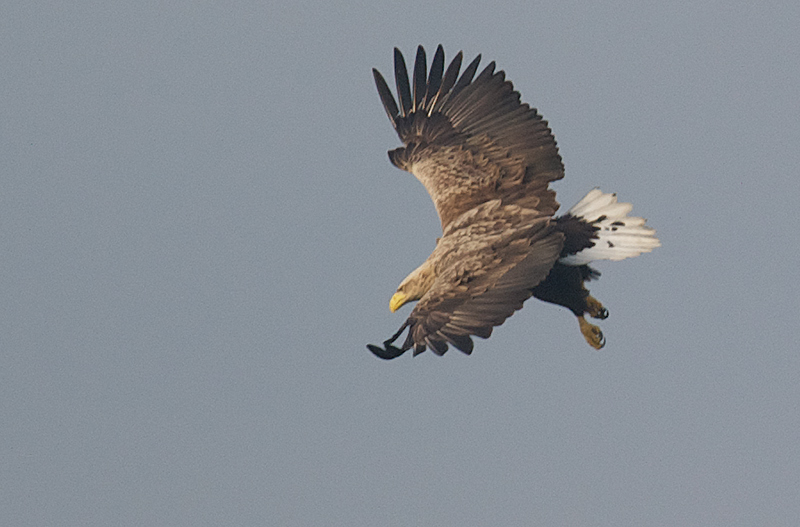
462	342
435	78
387	98
439	347
488	71
401	78
466	77
450	77
420	81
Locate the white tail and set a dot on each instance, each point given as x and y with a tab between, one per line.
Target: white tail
619	237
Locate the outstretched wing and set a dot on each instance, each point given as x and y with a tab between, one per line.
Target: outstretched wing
487	270
469	139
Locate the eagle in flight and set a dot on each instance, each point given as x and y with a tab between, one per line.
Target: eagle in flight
487	160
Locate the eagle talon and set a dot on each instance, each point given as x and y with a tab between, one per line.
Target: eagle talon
592	334
595	308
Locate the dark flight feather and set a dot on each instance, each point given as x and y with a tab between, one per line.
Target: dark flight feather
386	97
420	82
435	78
401	79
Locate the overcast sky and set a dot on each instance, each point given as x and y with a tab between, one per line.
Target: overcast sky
201	232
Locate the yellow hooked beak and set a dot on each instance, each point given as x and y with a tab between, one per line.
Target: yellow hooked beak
398	299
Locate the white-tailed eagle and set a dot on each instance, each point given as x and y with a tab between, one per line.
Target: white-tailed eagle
487	160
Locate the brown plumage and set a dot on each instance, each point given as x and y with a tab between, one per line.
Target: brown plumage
486	159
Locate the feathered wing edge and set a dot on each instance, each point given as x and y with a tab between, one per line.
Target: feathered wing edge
484	105
482	115
452	319
429	93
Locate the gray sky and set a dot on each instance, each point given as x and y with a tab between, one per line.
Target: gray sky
202	230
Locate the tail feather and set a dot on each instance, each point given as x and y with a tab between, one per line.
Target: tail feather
618	236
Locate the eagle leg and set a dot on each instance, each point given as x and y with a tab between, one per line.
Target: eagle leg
595	308
388	351
591	333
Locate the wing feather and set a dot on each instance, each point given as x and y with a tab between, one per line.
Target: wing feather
401	79
484	282
466	77
386	96
449	80
470	139
420	81
435	78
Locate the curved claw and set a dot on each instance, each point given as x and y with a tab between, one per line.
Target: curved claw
592	334
595	308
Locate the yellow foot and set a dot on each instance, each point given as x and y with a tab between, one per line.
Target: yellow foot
592	334
595	308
